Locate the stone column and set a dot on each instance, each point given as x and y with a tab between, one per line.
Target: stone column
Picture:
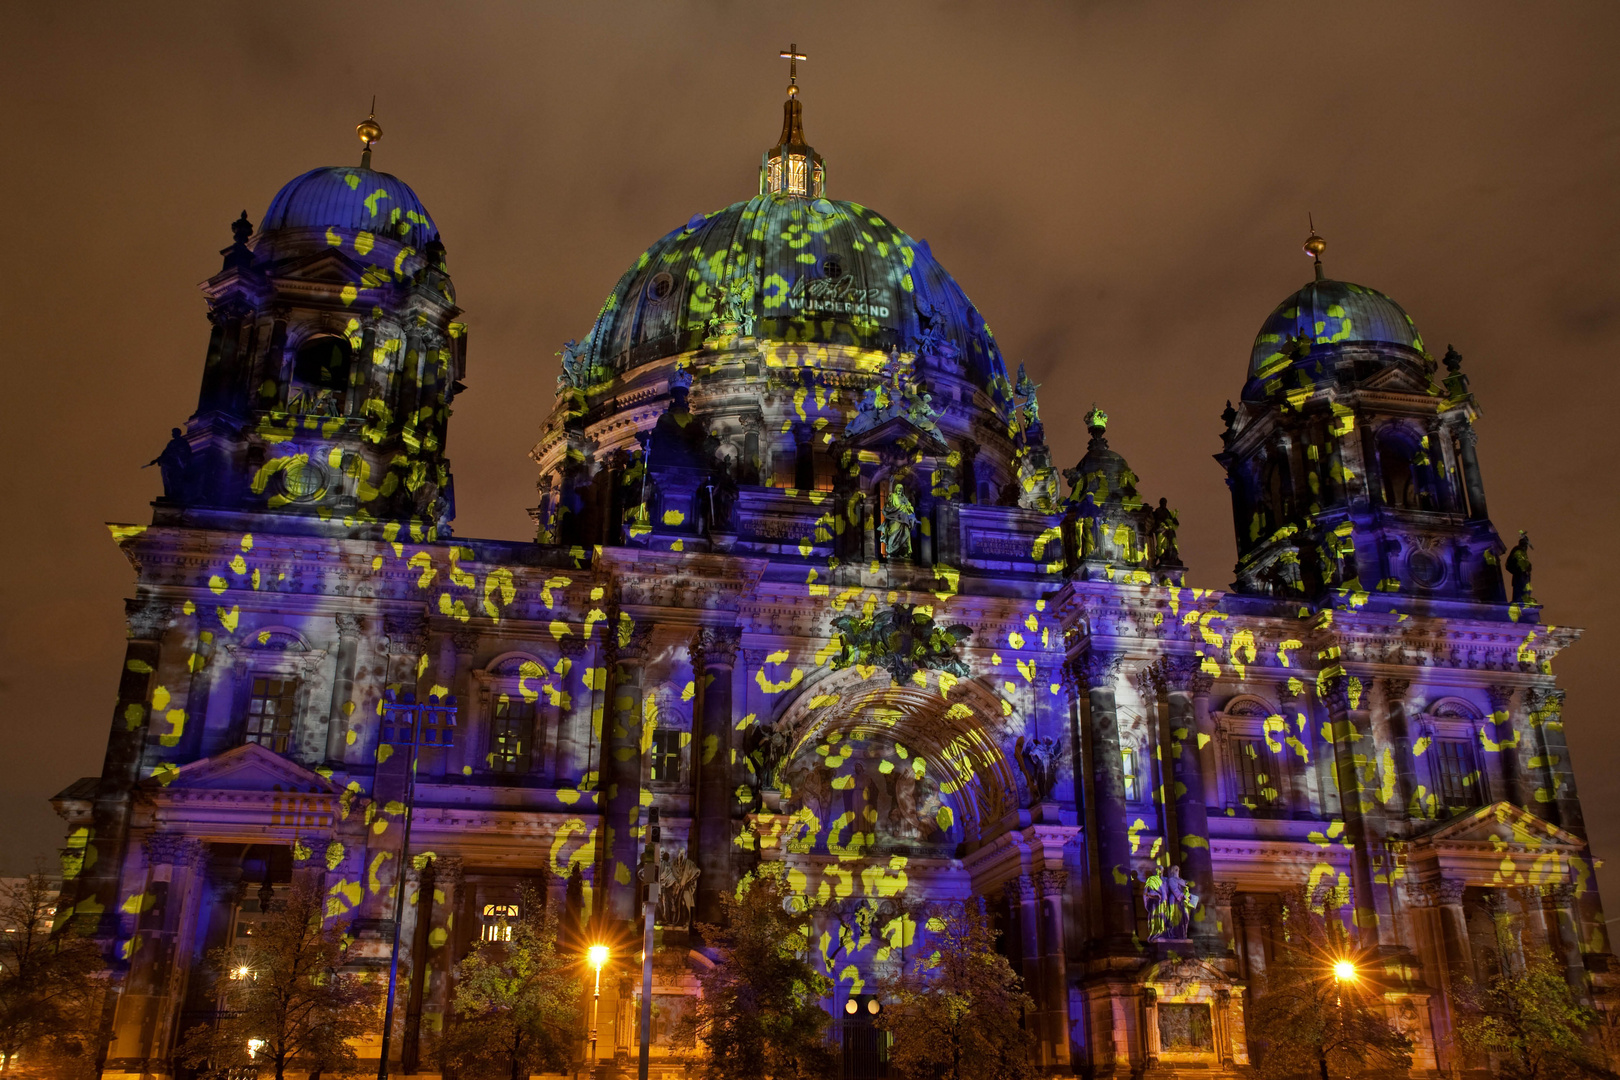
1359	808
1204	739
1052	887
1562	924
1518	749
1259	917
337	723
1546	712
573	723
459	759
1296	770
451	882
1442	943
622	763
1180	676
714	660
426	883
1400	740
1467	439
1022	908
1222	900
1096	672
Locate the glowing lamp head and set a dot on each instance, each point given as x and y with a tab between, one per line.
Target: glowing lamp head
241	973
597	955
1344	971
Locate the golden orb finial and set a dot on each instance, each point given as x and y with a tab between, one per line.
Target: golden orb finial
369	131
1314	246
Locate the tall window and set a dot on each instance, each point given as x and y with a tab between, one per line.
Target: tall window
1456	781
321	372
1257	779
666	756
1400	485
270	712
1133	776
512	729
496	924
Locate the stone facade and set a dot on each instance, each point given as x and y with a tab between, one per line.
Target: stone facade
763	469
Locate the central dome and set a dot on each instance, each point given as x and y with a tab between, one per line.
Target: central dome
790	269
1331	312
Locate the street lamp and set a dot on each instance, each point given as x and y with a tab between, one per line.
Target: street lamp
597	955
1344	971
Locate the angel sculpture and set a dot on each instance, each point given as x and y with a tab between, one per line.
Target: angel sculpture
575	366
1170	902
899	515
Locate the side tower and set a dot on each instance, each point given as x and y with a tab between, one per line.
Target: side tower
1352	469
334	356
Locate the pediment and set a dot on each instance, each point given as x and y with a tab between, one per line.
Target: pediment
1397	378
249	767
1501	825
330	267
894	429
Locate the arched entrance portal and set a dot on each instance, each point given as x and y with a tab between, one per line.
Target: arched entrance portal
882	788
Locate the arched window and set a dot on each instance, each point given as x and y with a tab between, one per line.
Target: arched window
1279	491
1395	467
321	375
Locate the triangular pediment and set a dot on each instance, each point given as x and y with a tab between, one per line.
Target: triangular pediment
892	431
249	767
1500	824
330	267
1396	378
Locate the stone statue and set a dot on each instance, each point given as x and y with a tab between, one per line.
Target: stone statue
575	366
769	747
899	515
1518	564
1026	388
1170	902
1165	523
173	464
677	888
1038	758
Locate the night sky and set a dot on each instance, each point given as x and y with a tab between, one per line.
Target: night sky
1121	188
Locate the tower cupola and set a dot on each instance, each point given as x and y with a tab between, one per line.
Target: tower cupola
792	166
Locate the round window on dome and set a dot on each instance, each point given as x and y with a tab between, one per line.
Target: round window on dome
661	286
832	266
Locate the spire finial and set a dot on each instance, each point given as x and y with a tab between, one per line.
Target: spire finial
1314	246
369	131
793	56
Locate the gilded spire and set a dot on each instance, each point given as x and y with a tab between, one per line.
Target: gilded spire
792	167
1314	246
369	131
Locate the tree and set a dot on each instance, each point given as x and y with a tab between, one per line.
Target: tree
1308	1021
48	988
959	1011
759	1016
286	1001
1529	1022
515	1006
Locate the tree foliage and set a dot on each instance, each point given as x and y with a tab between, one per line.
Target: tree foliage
1306	1023
1529	1023
959	1011
285	995
48	985
760	1015
515	1010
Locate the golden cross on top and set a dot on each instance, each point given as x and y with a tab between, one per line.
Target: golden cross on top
793	56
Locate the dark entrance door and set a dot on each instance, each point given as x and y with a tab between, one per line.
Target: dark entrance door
866	1047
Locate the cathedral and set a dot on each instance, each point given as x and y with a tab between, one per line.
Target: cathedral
807	588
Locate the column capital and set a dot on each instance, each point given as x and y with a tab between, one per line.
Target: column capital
1097	670
572	646
1544	703
148	618
1019	890
1501	698
175	849
1182	674
716	646
1395	690
349	625
464	641
634	651
1335	694
1446	892
1560	892
1225	892
1052	882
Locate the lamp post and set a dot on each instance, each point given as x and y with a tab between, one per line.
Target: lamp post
597	955
407	725
1344	971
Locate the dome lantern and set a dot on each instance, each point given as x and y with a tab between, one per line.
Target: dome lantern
792	166
369	131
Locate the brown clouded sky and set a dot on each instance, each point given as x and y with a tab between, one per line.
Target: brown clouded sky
1121	188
